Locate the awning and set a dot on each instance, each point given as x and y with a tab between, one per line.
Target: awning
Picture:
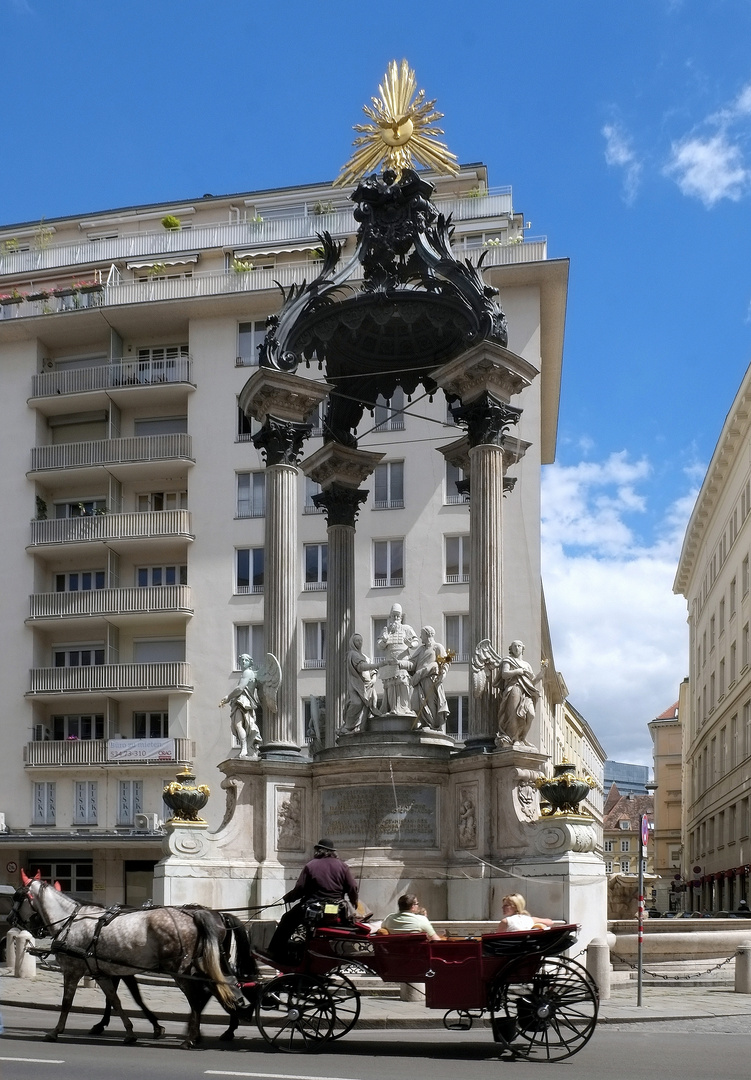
258	253
174	260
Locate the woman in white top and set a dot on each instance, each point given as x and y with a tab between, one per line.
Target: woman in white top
516	916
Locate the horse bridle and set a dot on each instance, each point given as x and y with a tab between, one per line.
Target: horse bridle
36	922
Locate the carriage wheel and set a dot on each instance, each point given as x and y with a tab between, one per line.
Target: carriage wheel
550	1014
296	1013
346	998
461	1019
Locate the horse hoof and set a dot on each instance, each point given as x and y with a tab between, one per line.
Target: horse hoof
130	1039
227	1036
159	1032
51	1036
97	1029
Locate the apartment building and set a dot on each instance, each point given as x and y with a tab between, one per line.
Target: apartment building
713	576
667	743
133	573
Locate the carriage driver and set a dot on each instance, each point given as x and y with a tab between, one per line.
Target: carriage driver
324	878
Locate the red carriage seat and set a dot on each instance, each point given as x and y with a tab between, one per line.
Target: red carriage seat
401	957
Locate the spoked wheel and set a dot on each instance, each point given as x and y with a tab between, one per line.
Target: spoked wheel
548	1015
461	1019
296	1013
346	998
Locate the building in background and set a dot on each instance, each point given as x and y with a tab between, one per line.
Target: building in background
667	853
713	575
626	777
621	830
134	503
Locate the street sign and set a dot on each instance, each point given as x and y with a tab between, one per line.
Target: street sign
644	830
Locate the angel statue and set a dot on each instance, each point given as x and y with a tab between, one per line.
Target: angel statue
518	684
256	686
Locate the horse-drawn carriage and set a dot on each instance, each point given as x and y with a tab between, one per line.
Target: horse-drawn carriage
541	1004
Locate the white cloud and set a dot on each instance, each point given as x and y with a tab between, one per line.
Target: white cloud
709	169
619	153
619	634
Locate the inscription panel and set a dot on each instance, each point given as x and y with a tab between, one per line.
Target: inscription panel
381	815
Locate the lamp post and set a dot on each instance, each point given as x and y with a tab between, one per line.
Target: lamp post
643	841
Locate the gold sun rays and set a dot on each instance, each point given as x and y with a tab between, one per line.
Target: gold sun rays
403	130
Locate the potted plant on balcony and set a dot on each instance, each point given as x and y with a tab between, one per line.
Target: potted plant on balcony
242	266
171	223
14	297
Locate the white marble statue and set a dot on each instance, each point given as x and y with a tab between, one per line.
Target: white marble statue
397	641
518	684
255	685
362	697
429	666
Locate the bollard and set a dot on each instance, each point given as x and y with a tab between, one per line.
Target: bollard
26	964
743	968
598	965
10	948
411	992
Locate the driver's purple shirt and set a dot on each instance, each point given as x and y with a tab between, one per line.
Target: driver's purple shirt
328	878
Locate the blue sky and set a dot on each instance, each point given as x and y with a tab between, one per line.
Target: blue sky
625	132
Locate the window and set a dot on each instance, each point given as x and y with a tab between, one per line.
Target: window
85	802
160	364
78	726
453	476
609	845
316	418
157	576
388	563
624	824
80	656
733	663
161	500
160	425
458	717
608	866
311	489
379	625
389	485
744	576
159	651
625	866
249	570
313	718
74	877
129	801
44	803
249	337
314	644
316	566
251	494
150	725
389	413
744	816
457	559
80	508
457	636
249	640
712	632
722	616
79	581
745	646
625	845
246	426
732	597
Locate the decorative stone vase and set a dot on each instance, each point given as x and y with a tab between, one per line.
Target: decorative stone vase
564	790
185	799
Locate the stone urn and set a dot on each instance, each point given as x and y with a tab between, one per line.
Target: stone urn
185	798
564	790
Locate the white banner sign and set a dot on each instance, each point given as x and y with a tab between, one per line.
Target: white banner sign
140	750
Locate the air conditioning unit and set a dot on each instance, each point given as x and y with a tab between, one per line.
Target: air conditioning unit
146	822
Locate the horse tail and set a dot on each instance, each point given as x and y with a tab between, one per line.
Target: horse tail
246	967
211	957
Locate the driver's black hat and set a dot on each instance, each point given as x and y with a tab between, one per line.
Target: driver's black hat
326	845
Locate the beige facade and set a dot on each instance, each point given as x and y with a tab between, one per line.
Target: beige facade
667	853
134	506
713	576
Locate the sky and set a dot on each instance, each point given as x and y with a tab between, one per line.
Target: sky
625	133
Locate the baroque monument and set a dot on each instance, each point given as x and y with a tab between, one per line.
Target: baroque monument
399	796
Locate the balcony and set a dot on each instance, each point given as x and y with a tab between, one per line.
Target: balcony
134	450
111	679
226	283
95	752
225	236
117	375
110	603
111	528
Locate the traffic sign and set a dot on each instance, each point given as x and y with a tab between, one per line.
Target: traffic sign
644	830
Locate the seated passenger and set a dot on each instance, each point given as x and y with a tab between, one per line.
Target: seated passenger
516	916
409	919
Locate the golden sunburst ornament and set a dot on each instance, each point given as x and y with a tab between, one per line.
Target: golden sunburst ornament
403	129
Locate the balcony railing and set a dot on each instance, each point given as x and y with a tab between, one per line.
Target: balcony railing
137	448
93	752
136	601
150	525
221	283
109	376
111	678
277	230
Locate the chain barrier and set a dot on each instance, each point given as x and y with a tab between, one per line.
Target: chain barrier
673	977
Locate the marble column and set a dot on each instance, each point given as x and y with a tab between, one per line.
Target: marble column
484	380
281	402
339	470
